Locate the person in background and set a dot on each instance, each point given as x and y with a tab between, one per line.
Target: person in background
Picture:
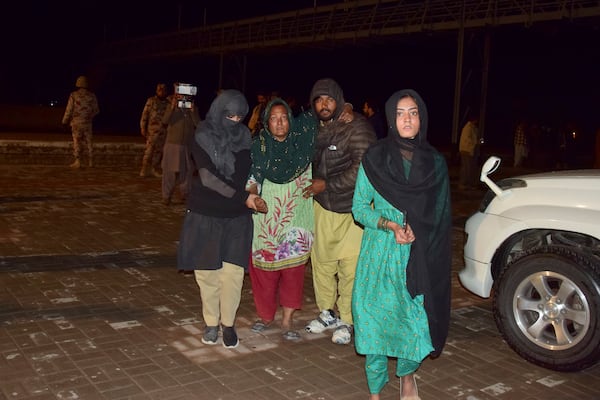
338	152
371	111
281	169
216	236
469	152
401	296
81	109
521	143
181	119
256	118
153	129
597	149
293	103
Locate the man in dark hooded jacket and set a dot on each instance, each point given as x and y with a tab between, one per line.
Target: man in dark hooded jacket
338	151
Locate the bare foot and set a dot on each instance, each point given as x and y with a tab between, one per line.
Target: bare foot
409	387
287	320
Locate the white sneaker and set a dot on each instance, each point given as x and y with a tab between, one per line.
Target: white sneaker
343	334
326	320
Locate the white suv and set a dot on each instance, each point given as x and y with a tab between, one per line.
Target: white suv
535	244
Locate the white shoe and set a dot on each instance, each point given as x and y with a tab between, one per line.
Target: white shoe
325	321
343	334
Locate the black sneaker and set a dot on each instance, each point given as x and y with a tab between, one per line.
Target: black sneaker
230	338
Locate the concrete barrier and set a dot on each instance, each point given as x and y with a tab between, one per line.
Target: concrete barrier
56	149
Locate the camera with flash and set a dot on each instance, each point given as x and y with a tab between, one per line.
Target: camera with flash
185	94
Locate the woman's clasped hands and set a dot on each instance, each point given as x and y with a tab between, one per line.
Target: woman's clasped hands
257	203
403	234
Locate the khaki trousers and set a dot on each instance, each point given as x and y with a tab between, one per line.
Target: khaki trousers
220	291
334	256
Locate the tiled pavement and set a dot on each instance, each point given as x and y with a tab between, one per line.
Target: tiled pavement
91	307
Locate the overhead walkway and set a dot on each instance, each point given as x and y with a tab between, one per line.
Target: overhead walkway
348	23
345	22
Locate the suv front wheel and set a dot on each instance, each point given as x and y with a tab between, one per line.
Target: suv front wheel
547	307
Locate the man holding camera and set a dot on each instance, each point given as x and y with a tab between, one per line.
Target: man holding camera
181	119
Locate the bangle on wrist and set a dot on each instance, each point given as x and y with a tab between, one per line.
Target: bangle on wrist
385	224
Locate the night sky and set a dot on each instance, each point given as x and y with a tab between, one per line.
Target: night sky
546	72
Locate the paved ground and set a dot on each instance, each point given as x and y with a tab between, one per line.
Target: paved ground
91	307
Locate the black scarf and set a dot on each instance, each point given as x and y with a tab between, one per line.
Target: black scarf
221	137
423	192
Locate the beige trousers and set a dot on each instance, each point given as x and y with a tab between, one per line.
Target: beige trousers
334	256
220	291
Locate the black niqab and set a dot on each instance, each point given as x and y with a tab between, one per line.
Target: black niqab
221	137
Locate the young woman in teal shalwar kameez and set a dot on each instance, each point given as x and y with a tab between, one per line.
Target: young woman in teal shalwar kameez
401	297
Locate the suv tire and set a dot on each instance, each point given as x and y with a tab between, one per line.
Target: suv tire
547	307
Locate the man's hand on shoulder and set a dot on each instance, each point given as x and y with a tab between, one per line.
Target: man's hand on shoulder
347	114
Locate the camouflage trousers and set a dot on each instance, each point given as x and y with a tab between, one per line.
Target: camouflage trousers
82	134
155	141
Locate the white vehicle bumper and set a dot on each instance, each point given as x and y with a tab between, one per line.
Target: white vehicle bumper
476	277
485	233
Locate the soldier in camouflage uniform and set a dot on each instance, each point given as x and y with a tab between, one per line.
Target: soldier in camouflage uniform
81	109
154	130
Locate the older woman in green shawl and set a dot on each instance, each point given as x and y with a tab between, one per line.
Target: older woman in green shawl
281	169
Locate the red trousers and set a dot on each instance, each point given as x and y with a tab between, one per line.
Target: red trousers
287	285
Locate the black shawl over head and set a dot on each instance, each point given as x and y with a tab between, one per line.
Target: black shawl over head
221	137
424	194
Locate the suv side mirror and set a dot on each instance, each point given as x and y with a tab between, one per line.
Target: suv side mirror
489	166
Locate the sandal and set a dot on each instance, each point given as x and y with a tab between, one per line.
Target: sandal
259	326
291	335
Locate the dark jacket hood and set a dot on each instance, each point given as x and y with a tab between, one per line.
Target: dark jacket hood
328	87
